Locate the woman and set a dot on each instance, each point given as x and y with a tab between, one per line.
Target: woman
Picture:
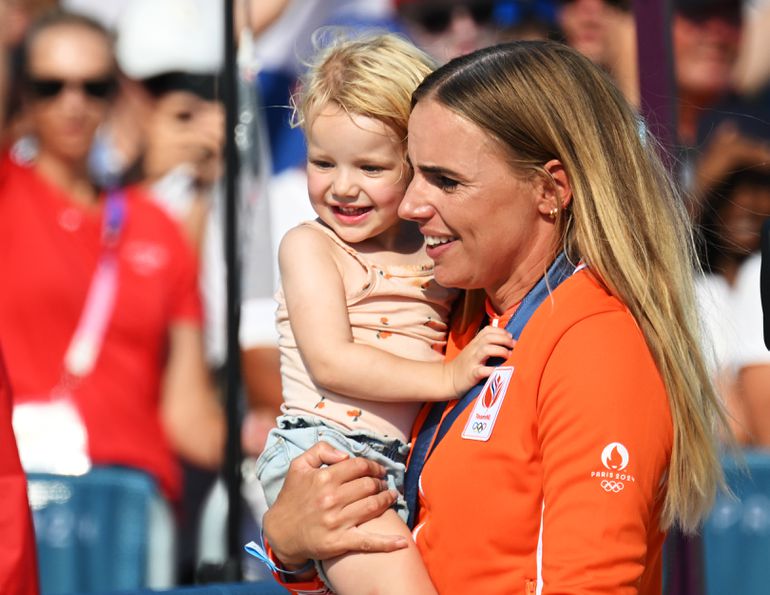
597	434
146	397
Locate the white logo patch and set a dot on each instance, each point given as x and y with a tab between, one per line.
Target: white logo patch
610	459
146	258
488	402
613	478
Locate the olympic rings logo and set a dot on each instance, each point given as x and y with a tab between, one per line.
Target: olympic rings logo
479	426
612	486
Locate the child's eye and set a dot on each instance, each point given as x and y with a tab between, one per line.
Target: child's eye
372	169
320	163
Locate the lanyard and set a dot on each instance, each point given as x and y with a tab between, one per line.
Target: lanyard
560	270
87	341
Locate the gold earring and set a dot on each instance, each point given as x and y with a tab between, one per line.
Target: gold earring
553	213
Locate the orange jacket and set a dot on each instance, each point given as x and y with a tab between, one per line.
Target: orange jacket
565	494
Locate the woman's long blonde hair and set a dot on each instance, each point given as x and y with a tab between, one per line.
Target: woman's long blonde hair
626	220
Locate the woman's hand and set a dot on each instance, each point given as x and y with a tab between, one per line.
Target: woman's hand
318	510
728	150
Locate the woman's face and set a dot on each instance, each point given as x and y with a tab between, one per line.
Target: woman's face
484	222
705	52
183	128
586	25
70	72
446	29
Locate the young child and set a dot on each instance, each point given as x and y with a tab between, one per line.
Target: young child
362	322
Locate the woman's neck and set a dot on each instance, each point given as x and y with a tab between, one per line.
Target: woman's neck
512	290
71	178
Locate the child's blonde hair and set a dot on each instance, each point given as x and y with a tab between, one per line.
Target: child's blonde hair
371	75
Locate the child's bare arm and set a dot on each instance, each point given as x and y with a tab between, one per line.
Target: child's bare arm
315	298
469	367
386	573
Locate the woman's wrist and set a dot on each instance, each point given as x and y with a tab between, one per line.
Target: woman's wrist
288	560
290	573
297	568
302	579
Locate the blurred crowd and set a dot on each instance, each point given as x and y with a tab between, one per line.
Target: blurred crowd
112	142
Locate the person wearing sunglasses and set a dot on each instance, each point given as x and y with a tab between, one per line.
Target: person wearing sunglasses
143	395
604	32
449	28
706	36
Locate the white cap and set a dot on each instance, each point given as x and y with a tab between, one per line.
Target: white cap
160	36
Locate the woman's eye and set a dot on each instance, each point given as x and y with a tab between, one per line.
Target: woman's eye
184	116
446	184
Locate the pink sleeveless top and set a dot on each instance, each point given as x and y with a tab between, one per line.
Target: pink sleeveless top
399	309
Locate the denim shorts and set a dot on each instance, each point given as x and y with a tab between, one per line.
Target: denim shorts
294	435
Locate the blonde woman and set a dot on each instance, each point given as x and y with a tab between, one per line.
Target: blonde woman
539	193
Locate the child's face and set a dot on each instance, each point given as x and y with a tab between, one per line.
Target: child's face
356	174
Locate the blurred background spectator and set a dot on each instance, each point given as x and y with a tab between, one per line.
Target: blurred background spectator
449	28
706	37
753	68
172	97
604	31
18	567
147	398
752	359
724	135
171	54
730	221
527	19
16	18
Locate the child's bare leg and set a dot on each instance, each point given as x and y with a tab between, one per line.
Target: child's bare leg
398	573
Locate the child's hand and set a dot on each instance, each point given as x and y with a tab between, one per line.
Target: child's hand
469	367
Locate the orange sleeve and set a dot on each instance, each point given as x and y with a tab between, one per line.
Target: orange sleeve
605	435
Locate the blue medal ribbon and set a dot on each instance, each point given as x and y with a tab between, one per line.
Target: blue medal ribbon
560	270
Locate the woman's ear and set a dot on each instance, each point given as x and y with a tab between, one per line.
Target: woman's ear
557	191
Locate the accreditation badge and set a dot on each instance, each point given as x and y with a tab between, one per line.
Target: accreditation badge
482	419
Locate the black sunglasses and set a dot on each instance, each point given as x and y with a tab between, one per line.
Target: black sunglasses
730	13
437	19
48	88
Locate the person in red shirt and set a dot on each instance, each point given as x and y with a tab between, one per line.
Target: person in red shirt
18	565
147	398
541	194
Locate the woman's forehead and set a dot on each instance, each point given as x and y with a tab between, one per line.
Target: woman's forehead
437	134
70	50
